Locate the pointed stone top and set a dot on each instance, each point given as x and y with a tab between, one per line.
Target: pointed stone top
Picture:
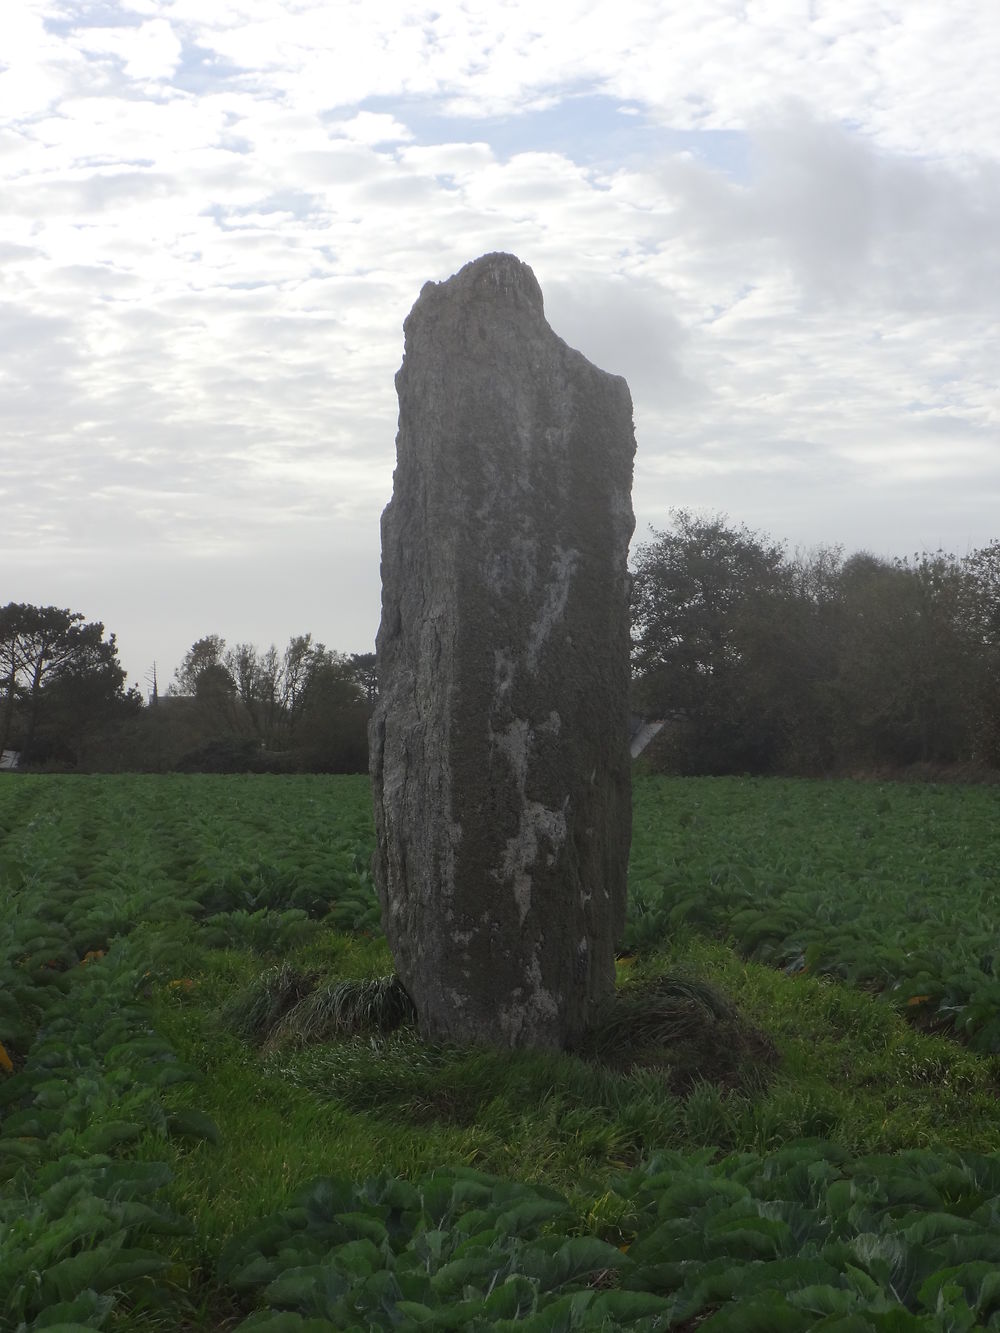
490	277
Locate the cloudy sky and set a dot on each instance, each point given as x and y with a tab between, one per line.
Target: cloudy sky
778	219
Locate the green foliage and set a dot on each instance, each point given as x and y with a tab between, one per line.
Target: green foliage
245	710
61	684
714	648
763	663
554	1113
454	1250
343	1008
101	892
256	1011
670	1010
685	1029
891	888
785	1241
79	1224
874	1238
153	1164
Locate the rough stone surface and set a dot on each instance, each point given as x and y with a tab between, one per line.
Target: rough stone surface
499	745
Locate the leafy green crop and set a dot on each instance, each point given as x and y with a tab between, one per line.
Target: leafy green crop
76	1218
808	1236
456	1250
114	892
894	888
805	1238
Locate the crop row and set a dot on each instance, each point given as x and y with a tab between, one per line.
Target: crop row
807	1238
893	889
99	881
86	1078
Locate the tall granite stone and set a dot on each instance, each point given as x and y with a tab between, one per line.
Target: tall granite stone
499	744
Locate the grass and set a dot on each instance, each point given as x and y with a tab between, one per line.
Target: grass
286	1007
843	1067
865	1076
682	1029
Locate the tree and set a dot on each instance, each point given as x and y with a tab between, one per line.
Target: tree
60	677
203	653
332	726
365	674
302	659
983	569
714	642
273	686
907	670
296	708
816	664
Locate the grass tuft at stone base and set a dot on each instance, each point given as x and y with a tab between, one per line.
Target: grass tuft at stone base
687	1030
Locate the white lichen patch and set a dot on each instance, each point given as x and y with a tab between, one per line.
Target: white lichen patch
541	832
514	743
557	590
503	672
532	1008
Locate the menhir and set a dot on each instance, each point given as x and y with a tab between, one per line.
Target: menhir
499	752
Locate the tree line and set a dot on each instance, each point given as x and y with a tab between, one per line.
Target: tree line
813	663
64	704
757	660
304	709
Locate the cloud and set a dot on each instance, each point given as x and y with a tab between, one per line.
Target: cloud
371	127
150	50
217	217
624	326
858	222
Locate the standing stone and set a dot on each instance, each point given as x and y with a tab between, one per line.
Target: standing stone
499	744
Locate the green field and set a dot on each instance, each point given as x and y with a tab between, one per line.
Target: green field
894	888
188	1142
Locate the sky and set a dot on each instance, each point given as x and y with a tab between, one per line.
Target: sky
778	219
